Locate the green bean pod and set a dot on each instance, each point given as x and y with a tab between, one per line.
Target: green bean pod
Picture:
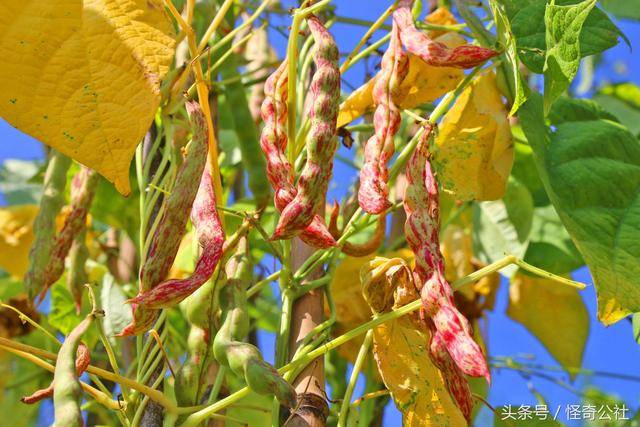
44	227
77	275
67	391
229	350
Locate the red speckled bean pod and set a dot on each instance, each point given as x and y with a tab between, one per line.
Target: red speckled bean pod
273	141
83	359
432	52
373	192
172	225
421	204
321	144
83	189
204	218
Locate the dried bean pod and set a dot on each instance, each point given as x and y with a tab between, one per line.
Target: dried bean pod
67	391
83	358
83	189
373	192
77	275
421	204
432	52
358	249
204	218
321	144
273	141
44	227
229	350
172	226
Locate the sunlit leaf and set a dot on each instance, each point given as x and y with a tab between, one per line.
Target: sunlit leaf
562	60
16	236
473	149
623	101
591	171
554	313
87	81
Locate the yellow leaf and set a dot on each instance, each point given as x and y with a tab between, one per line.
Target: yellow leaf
84	77
553	313
415	383
474	150
16	236
351	308
422	84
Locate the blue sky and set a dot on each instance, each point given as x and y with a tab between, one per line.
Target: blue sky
611	349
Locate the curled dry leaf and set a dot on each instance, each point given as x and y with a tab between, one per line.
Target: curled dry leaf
422	387
473	151
104	64
423	82
554	313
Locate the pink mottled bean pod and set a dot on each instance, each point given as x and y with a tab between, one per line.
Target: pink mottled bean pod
172	226
432	52
373	192
83	189
421	204
321	144
204	218
273	141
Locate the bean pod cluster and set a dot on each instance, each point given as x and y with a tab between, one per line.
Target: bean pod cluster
321	145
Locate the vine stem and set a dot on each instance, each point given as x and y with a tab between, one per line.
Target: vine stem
197	417
357	367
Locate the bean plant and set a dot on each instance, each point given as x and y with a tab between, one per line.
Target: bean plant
220	170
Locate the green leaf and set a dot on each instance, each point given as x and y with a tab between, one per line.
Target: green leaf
623	9
591	171
117	314
525	171
111	208
562	60
636	327
550	246
17	181
63	315
567	109
519	90
501	227
528	26
622	100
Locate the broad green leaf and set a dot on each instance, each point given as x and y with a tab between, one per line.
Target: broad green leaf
623	101
636	327
550	246
562	60
591	171
117	314
623	9
502	227
567	109
87	82
525	171
554	313
473	151
17	181
110	208
528	26
506	38
63	315
609	403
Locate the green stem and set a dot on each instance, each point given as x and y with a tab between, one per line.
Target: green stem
357	367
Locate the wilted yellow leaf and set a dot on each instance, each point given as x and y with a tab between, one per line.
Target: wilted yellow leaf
474	150
16	236
553	313
351	308
84	77
423	83
416	385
